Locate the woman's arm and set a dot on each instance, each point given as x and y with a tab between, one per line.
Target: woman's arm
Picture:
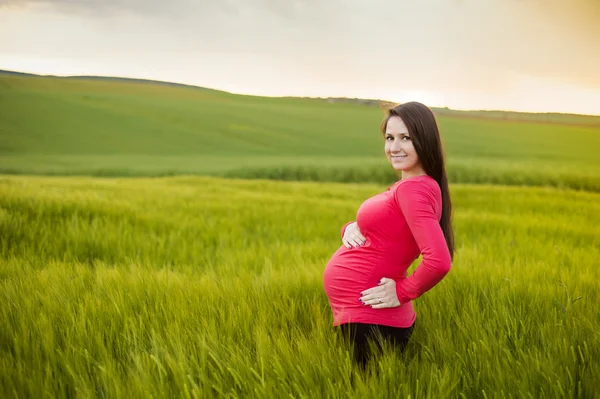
418	204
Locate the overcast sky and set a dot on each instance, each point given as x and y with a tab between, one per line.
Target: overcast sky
530	55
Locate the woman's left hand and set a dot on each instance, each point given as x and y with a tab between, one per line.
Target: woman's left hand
382	296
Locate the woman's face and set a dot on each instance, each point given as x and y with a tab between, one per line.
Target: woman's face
399	148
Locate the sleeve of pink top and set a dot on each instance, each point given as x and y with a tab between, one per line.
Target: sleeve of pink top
344	228
417	202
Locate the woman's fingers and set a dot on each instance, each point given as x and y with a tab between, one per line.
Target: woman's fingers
369	300
382	296
373	294
373	290
353	240
357	234
359	238
374	299
353	233
381	306
379	300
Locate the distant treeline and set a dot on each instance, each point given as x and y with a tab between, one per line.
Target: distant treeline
550	117
546	117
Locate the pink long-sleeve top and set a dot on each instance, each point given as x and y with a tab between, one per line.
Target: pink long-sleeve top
399	225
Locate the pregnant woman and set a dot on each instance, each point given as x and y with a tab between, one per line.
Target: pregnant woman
365	280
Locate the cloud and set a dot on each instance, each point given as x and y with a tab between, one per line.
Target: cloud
428	44
95	7
285	9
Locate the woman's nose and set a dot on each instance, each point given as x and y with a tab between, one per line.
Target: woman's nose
396	146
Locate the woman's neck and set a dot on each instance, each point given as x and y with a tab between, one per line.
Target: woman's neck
414	172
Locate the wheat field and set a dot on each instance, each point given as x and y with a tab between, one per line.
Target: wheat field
207	287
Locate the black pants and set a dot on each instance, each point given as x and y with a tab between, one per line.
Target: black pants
365	337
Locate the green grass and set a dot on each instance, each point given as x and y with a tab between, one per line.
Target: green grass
60	126
206	287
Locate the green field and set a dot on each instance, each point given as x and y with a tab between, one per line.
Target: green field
118	128
125	274
206	287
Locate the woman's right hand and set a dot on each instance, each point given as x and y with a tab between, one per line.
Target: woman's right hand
353	238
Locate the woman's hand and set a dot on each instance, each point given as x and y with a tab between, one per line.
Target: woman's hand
382	296
353	237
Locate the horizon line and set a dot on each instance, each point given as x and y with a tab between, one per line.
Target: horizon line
356	99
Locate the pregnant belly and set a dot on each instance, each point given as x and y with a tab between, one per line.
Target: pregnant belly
348	272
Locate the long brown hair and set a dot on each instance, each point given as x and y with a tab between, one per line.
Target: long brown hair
425	135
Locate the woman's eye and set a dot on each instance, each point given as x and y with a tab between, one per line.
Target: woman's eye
389	138
405	138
